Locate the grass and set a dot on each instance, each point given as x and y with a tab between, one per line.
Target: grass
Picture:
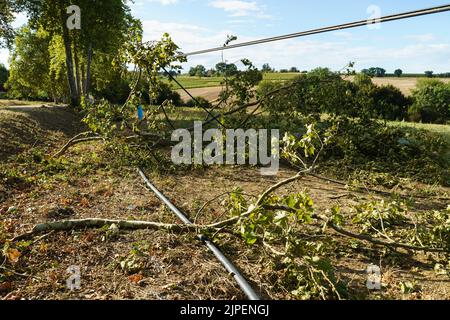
280	76
12	103
443	130
196	82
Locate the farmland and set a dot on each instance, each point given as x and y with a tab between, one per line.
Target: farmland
405	84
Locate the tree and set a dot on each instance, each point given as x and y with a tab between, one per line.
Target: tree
266	68
398	73
192	71
4	74
34	73
429	74
431	101
201	71
378	72
6	17
198	71
104	26
225	69
294	70
374	72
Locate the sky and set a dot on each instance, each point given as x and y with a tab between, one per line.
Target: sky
413	45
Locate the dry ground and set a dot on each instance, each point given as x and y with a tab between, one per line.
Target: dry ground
168	266
211	93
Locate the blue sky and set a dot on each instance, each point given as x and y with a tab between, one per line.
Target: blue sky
414	45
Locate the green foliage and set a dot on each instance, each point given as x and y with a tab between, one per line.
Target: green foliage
385	102
226	69
137	259
239	88
4	75
7	10
429	74
201	102
390	103
376	216
431	102
405	152
374	72
393	220
198	71
103	118
322	91
165	92
302	266
267	68
398	72
34	73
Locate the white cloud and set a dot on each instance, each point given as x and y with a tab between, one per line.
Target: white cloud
189	37
304	54
238	8
165	2
421	37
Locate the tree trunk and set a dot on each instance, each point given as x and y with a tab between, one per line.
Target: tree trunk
74	98
83	77
87	84
77	72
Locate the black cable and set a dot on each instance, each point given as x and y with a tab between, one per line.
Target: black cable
399	16
242	282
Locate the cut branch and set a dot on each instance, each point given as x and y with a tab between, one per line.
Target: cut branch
373	240
67	225
76	140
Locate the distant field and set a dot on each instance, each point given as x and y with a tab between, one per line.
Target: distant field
280	76
405	84
196	82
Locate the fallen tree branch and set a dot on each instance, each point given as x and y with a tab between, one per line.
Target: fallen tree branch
280	184
67	225
76	140
373	240
258	204
369	190
358	236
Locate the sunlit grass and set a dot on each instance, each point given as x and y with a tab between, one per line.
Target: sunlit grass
443	130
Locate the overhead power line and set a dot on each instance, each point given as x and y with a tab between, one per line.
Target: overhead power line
356	24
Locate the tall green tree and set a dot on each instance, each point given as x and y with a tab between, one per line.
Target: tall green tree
6	18
31	74
398	73
104	26
4	74
266	68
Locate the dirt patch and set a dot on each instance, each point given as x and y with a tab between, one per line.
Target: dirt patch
25	127
209	94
